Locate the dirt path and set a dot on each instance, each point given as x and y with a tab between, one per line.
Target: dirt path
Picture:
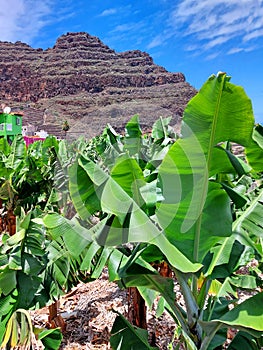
87	310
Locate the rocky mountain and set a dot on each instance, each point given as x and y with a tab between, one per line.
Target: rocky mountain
83	81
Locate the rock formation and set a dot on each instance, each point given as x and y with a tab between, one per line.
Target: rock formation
83	81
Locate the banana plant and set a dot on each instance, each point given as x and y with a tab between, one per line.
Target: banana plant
46	253
30	256
196	214
20	333
142	199
47	260
180	207
28	172
24	262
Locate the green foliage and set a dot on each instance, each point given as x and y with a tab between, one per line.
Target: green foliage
191	204
125	336
20	333
254	150
50	338
139	200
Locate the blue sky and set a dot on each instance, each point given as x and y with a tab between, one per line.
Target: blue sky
197	38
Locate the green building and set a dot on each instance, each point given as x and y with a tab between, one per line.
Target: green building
10	125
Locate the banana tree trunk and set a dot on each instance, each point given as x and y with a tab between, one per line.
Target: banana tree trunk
11	222
54	319
164	269
136	308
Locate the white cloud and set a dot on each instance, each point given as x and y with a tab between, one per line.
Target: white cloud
212	56
191	47
160	39
157	41
254	34
131	27
235	50
131	33
214	23
124	27
108	12
22	19
217	42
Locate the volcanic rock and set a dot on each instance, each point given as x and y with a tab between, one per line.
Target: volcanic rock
85	82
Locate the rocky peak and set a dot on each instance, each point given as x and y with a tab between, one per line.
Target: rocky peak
80	40
81	78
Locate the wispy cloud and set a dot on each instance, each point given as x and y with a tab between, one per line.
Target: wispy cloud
130	32
234	50
126	27
21	19
212	24
157	41
108	12
212	56
24	20
253	34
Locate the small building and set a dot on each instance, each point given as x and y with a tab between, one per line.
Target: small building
42	134
28	130
10	125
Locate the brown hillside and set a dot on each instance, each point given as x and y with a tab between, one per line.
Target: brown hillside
85	82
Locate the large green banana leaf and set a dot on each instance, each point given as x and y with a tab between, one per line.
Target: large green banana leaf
244	340
4	152
128	222
254	151
245	316
17	154
11	157
249	222
195	214
127	337
133	136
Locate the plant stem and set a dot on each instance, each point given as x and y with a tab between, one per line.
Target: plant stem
195	331
207	340
204	191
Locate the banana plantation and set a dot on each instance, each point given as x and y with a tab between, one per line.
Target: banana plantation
132	203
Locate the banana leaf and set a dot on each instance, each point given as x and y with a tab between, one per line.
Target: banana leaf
195	214
243	340
51	338
124	336
250	220
132	140
246	316
17	154
129	222
254	151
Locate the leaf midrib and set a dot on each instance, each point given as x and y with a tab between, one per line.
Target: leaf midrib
209	157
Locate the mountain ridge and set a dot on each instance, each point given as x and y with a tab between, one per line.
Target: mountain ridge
84	81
